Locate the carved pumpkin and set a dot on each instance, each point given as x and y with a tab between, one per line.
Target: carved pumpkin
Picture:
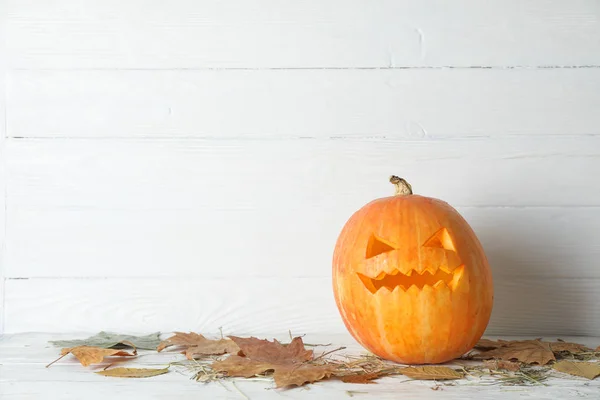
411	280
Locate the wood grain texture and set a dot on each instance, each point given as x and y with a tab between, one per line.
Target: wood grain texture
389	389
238	305
307	34
229	208
2	223
245	175
412	104
546	242
523	306
2	160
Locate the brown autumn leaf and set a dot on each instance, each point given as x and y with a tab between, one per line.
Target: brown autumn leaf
275	352
298	375
88	355
242	366
486	344
284	374
526	351
584	369
573	348
364	378
501	364
431	373
133	372
288	362
196	344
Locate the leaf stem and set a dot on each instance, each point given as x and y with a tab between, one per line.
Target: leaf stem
59	358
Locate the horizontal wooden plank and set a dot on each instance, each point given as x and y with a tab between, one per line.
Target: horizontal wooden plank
100	388
83	208
251	306
307	34
296	174
271	241
54	384
414	104
522	306
23	357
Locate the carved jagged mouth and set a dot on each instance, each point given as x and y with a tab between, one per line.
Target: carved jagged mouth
396	279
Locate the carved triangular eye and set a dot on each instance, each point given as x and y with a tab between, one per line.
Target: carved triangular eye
440	239
377	246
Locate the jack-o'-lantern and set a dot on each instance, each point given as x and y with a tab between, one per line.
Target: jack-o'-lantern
411	279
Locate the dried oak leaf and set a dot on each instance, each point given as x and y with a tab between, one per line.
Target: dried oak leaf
133	372
431	373
88	355
196	344
584	369
495	365
526	351
288	362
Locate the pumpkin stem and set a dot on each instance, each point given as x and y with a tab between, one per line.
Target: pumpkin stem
403	188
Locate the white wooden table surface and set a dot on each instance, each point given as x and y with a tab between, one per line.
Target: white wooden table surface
23	375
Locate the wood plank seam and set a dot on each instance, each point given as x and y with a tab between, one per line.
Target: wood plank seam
390	68
410	104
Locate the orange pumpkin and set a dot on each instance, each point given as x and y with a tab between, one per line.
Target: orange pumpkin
411	280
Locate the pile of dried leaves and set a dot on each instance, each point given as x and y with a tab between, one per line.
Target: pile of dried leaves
570	358
292	364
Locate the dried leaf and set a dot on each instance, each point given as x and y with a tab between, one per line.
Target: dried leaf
288	362
585	369
486	344
242	366
107	340
298	375
361	378
501	364
573	348
431	373
527	351
284	374
88	355
274	352
196	344
133	372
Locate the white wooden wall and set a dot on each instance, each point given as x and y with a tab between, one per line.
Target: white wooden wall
186	165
